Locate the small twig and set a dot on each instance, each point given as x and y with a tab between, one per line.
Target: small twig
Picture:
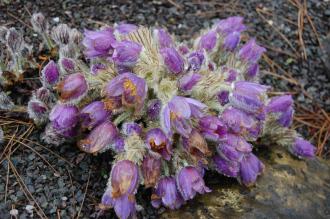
82	203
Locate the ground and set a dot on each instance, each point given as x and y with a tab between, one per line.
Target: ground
65	183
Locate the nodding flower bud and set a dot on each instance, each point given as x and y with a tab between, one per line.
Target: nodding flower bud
190	181
100	138
196	145
39	23
282	108
231	41
131	128
126	53
157	142
151	167
163	38
172	60
208	41
153	109
230	25
50	74
14	40
225	166
45	95
252	71
223	97
61	34
3	34
188	81
124	29
93	114
64	118
250	168
124	179
195	61
166	194
75	36
67	65
98	43
302	148
73	87
251	52
37	110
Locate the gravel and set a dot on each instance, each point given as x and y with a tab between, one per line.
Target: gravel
60	192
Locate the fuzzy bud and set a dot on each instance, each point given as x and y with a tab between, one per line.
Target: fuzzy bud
73	87
39	23
50	74
61	34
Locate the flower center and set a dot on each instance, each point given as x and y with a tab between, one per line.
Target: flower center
130	86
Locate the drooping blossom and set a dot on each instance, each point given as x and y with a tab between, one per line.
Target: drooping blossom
177	113
73	87
120	194
126	53
157	141
212	128
100	138
188	81
151	167
195	61
67	65
37	110
250	168
50	74
124	28
230	25
251	52
208	41
302	148
163	38
93	114
130	88
64	118
97	68
190	182
98	43
166	194
282	108
226	167
172	60
231	41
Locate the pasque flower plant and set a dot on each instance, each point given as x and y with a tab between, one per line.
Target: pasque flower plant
169	111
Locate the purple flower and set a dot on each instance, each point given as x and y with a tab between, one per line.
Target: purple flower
188	81
226	167
157	141
231	41
230	25
251	51
249	97
67	65
163	38
173	60
177	113
37	110
130	128
98	43
302	148
208	41
150	170
229	152
64	117
241	123
282	108
183	49
153	109
93	114
73	87
195	61
238	142
166	193
130	88
124	180
190	182
223	97
230	74
126	53
125	29
250	168
252	70
196	145
212	128
96	68
50	73
100	138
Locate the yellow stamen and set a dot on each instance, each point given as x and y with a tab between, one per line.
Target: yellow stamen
128	85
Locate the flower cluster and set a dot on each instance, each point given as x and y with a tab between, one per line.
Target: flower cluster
168	110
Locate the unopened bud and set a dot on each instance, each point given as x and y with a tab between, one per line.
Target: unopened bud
39	23
61	34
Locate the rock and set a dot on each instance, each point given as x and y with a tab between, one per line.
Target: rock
289	188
